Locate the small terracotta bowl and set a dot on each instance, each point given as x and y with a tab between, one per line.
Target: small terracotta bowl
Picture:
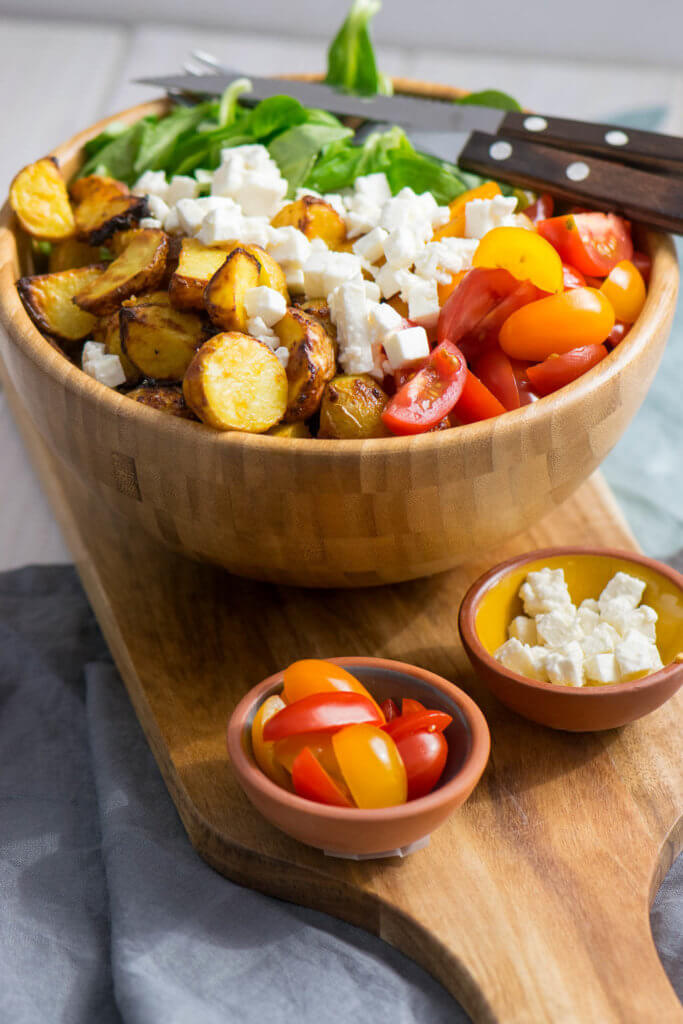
351	832
492	602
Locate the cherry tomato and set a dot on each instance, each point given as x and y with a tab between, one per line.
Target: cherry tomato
525	254
444	291
581	316
455	228
591	242
390	709
264	753
408	705
320	744
407	372
312	675
558	370
480	291
494	370
477	402
311	781
430	395
371	766
573	278
541	209
424	756
417	721
625	289
642	261
617	334
485	335
322	712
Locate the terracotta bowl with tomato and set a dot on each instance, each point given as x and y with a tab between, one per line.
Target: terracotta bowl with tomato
357	832
345	513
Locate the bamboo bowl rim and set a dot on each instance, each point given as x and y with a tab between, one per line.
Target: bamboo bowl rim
53	362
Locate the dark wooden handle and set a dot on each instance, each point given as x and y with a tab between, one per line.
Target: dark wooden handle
627	145
652	199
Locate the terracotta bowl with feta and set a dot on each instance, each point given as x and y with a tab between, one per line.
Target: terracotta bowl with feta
243	484
575	638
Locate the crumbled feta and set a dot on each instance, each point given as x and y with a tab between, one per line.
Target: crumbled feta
288	245
602	668
565	664
384	318
623	587
150	222
374	187
601	640
157	208
181	186
523	629
440	260
294	278
360	215
221	225
586	616
482	215
544	590
266	303
558	626
349	312
370	247
251	177
151	183
422	298
405	346
326	270
389	279
404	244
258	329
523	659
103	366
636	656
282	354
172	221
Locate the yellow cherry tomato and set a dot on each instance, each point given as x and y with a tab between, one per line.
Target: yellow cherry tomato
559	323
320	743
525	254
264	752
313	675
455	228
371	766
625	289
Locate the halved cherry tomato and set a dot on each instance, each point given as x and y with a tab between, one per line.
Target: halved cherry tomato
430	395
311	781
264	753
476	402
541	209
478	293
313	675
485	335
390	709
581	316
424	755
320	744
456	225
417	721
371	766
409	705
625	289
558	370
444	291
642	261
494	370
573	278
617	334
525	254
591	242
322	712
407	372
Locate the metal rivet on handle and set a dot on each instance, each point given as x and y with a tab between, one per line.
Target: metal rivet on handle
615	137
535	124
578	171
500	150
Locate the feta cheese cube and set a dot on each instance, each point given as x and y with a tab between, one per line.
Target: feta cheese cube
151	183
261	193
423	301
636	656
522	659
602	639
370	247
172	221
405	346
314	275
203	176
602	668
265	303
361	216
544	590
103	366
389	279
181	186
282	354
190	215
441	260
482	215
349	313
402	246
374	187
157	208
288	245
523	629
294	278
221	225
255	231
150	222
643	620
258	328
384	318
565	664
628	589
340	267
558	626
588	617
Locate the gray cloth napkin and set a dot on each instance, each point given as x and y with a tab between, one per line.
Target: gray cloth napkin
108	915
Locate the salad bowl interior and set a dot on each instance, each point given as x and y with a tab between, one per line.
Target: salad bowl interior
327	513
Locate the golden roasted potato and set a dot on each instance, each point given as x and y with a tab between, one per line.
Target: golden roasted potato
319	309
107	330
70	254
272	275
156	298
104	206
159	340
352	407
139	268
197	263
168	398
48	300
40	200
290	430
224	294
311	362
315	218
235	382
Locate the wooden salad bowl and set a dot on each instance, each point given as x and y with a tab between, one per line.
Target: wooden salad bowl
327	513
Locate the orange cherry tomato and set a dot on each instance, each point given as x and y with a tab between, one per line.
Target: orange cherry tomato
264	753
476	402
525	254
625	289
322	712
423	401
320	743
371	766
558	370
591	242
312	675
455	228
417	721
559	323
573	278
311	781
541	209
424	755
494	370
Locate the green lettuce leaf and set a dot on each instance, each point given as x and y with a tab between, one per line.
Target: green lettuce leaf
489	98
351	63
295	150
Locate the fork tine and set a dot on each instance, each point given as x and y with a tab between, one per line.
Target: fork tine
208	58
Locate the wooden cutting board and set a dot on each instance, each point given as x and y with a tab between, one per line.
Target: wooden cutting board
531	903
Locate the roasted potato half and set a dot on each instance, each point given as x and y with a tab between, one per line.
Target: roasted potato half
159	340
70	254
168	398
315	218
235	382
107	330
319	309
311	362
48	300
40	200
352	408
197	263
139	268
224	294
272	275
290	430
104	206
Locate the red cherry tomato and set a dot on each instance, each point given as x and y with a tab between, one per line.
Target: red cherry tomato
485	335
617	334
541	209
558	370
408	706
390	709
478	293
642	261
311	781
424	755
573	278
477	402
494	370
426	398
322	712
417	721
592	242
